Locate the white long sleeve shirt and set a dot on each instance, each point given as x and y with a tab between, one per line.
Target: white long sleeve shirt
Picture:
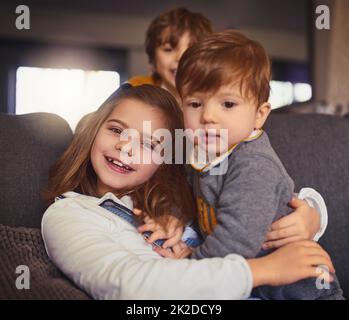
106	256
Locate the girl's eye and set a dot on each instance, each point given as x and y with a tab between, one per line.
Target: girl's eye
116	130
229	104
194	104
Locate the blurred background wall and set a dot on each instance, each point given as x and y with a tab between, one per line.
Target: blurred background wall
109	35
280	25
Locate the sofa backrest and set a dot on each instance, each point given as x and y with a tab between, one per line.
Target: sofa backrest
29	145
315	151
313	148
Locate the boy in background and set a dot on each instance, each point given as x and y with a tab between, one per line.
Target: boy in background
168	36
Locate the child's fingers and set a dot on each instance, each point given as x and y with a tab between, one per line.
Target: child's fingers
309	253
308	244
279	243
296	203
176	248
181	252
319	252
185	253
156	236
177	233
315	255
172	241
147	227
171	230
324	273
147	219
164	252
283	222
321	260
182	244
279	234
137	212
316	272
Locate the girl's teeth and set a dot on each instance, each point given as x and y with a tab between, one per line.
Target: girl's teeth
117	163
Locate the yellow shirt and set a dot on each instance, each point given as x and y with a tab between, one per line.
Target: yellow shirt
139	80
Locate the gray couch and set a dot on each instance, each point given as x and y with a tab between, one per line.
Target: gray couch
313	148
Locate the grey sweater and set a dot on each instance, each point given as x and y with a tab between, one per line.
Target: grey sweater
237	208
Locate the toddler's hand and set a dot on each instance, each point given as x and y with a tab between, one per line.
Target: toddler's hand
172	232
179	251
302	224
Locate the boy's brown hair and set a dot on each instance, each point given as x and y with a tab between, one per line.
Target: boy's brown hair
171	25
225	58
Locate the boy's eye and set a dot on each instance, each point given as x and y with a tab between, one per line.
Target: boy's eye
167	48
229	104
116	130
194	104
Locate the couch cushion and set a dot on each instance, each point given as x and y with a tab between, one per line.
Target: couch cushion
25	247
29	145
315	151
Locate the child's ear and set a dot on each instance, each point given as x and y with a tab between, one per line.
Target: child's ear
262	114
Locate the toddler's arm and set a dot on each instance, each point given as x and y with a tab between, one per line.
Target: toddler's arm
316	201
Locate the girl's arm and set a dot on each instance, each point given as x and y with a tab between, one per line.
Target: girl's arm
106	257
277	268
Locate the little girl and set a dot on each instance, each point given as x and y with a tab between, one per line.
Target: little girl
90	232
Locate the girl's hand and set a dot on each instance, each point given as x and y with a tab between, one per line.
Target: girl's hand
291	263
302	224
172	232
179	251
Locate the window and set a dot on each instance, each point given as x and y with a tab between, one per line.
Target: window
69	93
291	83
284	93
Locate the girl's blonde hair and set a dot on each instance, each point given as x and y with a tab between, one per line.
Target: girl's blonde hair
165	192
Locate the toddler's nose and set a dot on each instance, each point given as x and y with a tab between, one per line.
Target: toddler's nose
208	115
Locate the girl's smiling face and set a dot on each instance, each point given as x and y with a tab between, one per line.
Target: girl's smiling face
112	174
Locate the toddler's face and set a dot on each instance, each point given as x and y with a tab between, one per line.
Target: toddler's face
225	109
167	58
107	151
